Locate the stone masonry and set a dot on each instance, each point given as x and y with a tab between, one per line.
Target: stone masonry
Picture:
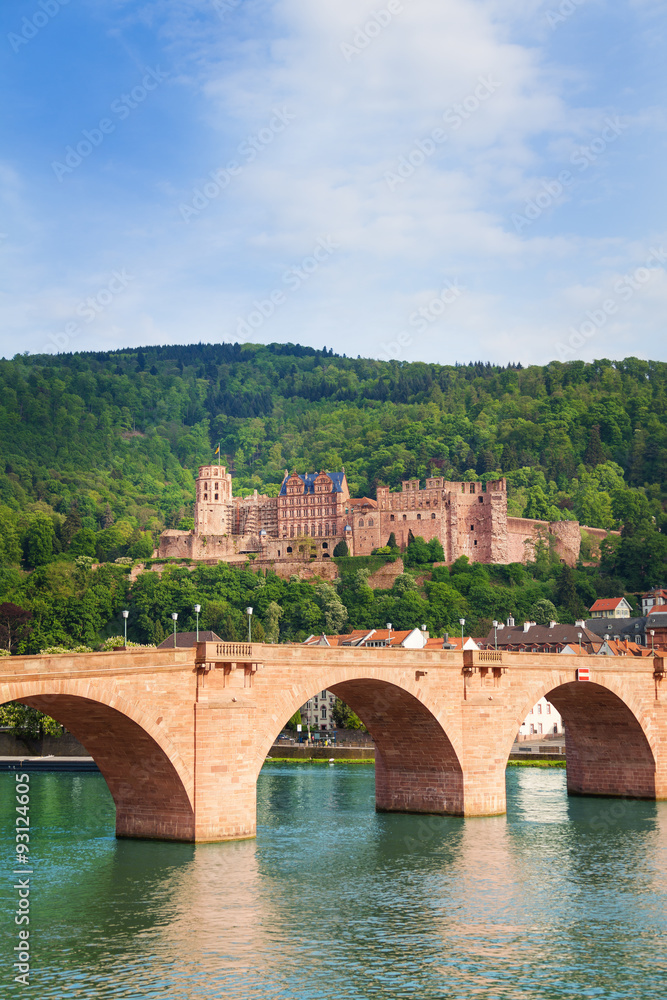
180	735
313	512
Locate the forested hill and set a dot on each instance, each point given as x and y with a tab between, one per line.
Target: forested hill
119	435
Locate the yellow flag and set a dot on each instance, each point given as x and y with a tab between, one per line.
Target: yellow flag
217	450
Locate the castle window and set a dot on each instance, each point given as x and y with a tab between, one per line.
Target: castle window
319	529
419	517
291	532
433	517
325	545
475	541
463	487
405	517
370	522
289	548
481	500
216	496
216	486
361	523
472	527
205	496
326	529
472	487
391	517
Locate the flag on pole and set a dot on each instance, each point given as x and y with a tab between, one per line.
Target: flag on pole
217	450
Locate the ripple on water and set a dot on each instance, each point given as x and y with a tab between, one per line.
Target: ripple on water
560	899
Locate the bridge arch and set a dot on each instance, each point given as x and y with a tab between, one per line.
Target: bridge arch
144	773
417	768
609	751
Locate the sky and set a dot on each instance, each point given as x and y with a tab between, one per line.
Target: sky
435	180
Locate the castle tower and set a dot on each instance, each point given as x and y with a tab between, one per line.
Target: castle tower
213	513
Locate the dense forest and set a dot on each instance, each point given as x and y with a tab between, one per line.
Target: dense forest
100	451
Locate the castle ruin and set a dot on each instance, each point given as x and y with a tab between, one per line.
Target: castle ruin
314	511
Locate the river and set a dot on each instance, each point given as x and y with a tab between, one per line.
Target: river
561	898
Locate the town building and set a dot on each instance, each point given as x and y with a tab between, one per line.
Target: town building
552	638
542	720
611	607
654	598
314	511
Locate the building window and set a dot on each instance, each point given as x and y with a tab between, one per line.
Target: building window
361	522
472	527
289	548
433	517
216	496
475	542
325	545
555	727
548	708
472	487
370	522
419	517
481	500
539	709
205	496
391	517
405	517
323	711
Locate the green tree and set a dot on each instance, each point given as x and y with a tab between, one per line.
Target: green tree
341	548
38	540
345	718
543	612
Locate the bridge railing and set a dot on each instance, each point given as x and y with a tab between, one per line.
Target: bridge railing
224	650
482	657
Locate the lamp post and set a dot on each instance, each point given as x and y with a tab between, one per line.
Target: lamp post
248	611
389	633
174	616
462	622
125	617
652	631
495	633
197	610
579	634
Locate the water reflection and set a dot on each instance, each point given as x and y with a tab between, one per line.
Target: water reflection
561	898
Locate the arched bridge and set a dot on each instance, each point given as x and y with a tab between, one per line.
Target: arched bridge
180	735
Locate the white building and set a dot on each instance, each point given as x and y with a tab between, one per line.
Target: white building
542	720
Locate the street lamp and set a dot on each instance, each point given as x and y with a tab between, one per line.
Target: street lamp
248	611
462	622
495	633
579	634
197	610
652	631
174	616
389	633
125	617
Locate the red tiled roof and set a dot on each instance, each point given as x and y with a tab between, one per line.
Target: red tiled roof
607	604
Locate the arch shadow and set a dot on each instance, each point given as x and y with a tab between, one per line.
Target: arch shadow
608	753
417	768
150	797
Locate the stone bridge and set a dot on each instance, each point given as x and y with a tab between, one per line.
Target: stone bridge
180	735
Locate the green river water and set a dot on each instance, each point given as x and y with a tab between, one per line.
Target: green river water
561	898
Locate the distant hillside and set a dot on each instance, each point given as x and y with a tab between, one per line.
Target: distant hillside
120	434
99	452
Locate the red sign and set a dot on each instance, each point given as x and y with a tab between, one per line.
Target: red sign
583	674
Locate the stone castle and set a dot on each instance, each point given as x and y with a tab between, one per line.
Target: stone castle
313	512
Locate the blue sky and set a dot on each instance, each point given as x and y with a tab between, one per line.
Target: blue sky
438	180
